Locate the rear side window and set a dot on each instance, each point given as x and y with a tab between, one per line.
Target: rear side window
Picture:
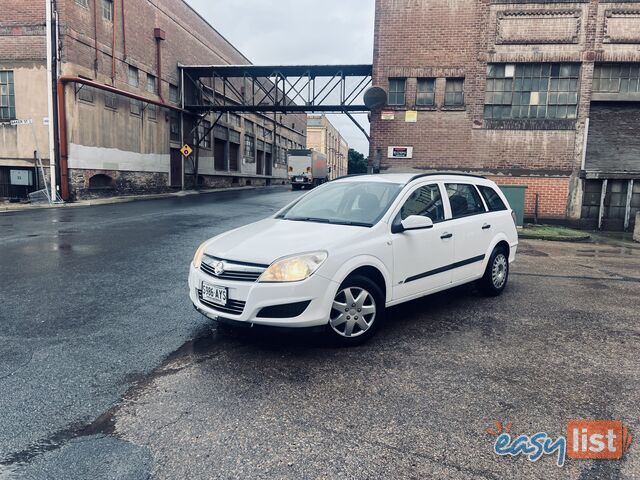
493	200
464	200
426	202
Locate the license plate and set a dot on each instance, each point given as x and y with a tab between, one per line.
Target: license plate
213	294
299	179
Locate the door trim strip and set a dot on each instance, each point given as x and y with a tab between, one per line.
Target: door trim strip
446	268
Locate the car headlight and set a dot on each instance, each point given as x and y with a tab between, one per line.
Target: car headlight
197	258
294	268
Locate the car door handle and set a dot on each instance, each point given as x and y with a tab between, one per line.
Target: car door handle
486	226
446	235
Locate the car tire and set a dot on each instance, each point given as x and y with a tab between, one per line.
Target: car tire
496	275
348	323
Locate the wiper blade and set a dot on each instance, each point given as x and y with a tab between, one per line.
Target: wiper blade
308	219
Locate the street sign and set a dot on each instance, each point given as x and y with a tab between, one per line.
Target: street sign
186	150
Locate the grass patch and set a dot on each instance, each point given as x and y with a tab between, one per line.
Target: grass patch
553	232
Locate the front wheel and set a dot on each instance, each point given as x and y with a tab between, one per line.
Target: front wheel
357	312
496	274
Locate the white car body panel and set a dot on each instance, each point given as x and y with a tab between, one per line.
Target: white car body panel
421	256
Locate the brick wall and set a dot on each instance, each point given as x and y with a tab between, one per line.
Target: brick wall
552	194
458	38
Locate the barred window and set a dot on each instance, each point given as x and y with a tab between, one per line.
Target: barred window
396	91
454	92
7	97
133	76
86	93
107	10
616	78
83	3
425	95
532	90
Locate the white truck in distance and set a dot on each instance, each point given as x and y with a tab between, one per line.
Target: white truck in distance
307	169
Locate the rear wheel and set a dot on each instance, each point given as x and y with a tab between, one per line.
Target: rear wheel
357	312
496	274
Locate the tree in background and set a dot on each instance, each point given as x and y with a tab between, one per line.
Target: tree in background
357	162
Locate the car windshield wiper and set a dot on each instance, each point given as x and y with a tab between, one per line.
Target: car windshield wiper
327	220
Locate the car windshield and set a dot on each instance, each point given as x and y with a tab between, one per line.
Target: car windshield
344	203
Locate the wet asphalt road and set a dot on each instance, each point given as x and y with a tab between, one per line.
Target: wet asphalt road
107	372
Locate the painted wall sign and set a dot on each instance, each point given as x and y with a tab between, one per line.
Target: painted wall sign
400	152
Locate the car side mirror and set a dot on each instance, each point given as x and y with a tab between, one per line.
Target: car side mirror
416	222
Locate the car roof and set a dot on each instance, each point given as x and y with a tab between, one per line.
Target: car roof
406	178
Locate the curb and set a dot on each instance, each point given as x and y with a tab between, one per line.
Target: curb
557	238
125	199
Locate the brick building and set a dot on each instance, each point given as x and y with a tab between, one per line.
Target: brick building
539	93
126	138
323	137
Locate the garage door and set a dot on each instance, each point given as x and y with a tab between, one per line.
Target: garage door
614	138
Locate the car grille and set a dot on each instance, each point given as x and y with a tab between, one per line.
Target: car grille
236	271
235	307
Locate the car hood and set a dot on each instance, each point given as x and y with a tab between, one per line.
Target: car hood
267	240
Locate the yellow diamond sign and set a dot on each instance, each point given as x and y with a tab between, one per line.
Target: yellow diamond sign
186	150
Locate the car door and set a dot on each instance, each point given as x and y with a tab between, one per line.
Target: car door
421	256
468	225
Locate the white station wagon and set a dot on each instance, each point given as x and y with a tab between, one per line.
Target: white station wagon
341	254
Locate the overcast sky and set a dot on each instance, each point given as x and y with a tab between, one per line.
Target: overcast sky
287	32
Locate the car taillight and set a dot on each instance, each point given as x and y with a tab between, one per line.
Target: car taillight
515	218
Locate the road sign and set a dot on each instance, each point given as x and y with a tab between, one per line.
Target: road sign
186	150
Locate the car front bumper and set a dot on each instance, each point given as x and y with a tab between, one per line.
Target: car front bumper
317	290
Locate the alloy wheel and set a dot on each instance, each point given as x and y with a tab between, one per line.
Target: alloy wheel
499	271
353	312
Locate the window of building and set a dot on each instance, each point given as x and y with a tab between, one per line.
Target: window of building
152	84
249	147
454	92
426	89
83	3
492	199
424	201
616	78
7	96
532	90
464	200
396	91
111	100
107	10
135	107
151	111
174	127
134	79
204	134
174	94
235	120
86	93
248	126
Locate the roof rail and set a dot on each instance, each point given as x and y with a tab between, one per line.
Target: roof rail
453	174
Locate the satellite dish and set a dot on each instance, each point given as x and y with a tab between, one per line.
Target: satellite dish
375	97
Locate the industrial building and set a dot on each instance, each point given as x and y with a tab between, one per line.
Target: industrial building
116	115
323	137
538	93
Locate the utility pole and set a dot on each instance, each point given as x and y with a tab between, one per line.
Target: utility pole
52	78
